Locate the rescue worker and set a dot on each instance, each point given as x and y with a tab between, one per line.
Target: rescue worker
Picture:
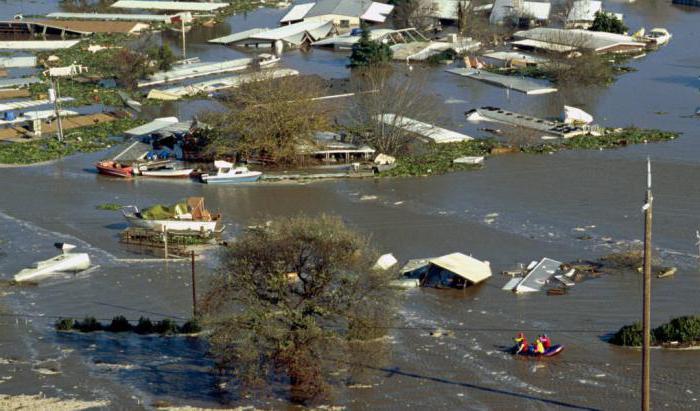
520	343
538	347
546	341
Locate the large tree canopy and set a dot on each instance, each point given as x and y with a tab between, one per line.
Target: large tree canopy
291	296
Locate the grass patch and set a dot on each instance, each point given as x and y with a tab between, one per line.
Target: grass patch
80	140
109	207
613	138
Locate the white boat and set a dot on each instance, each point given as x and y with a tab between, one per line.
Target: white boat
658	36
195	219
169	170
227	173
168	173
65	262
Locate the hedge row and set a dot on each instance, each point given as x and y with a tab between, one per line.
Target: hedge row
121	324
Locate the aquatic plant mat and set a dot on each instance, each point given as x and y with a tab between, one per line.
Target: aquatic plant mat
81	140
439	158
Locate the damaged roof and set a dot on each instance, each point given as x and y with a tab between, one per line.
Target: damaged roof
464	266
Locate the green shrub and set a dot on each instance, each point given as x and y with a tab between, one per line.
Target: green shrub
89	324
190	327
109	207
119	324
629	336
144	326
64	324
682	329
166	327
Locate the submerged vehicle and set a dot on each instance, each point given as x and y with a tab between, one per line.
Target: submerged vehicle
188	216
658	36
227	173
65	262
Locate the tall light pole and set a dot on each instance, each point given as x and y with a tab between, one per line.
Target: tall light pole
646	322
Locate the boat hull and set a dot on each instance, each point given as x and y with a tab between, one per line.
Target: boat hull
168	173
230	180
173	225
71	262
110	170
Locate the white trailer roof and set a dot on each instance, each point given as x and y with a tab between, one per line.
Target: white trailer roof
584	10
108	16
297	12
464	266
16	105
241	35
21	61
37	115
538	276
168	5
37	44
429	131
152	126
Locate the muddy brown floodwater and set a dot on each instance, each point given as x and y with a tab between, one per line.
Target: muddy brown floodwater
516	209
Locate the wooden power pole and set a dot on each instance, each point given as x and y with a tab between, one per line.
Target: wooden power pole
646	323
194	290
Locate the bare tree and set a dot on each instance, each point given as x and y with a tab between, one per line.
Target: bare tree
387	94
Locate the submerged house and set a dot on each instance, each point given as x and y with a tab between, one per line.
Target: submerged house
293	35
560	40
454	270
342	13
334	148
519	13
583	12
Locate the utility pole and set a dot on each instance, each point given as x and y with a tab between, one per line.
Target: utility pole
194	290
184	52
646	324
54	94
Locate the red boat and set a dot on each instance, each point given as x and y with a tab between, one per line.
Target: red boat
112	168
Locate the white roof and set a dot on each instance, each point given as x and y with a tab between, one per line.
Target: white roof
538	276
22	61
222	164
543	45
291	30
22	104
429	131
538	10
241	35
464	266
585	39
584	10
168	5
38	115
108	16
152	126
514	55
297	12
38	44
377	12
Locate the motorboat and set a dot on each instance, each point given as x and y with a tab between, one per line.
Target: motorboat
227	173
658	36
115	169
187	216
167	171
65	262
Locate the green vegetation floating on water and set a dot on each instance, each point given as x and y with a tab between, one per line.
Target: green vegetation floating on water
109	207
612	139
121	324
79	140
438	158
682	330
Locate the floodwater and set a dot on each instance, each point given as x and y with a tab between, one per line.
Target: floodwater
516	209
